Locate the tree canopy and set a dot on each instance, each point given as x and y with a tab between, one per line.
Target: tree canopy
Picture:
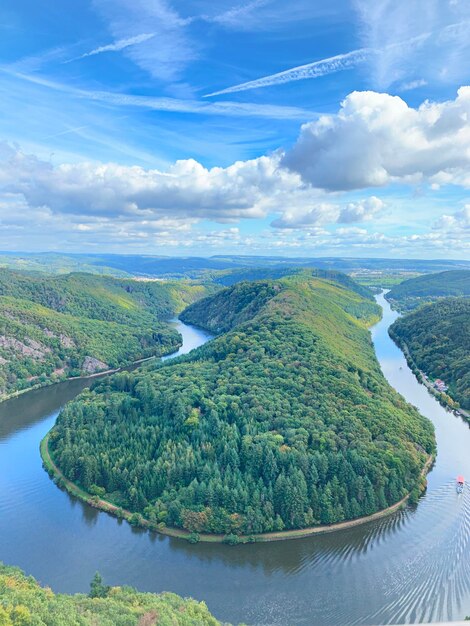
24	603
282	422
411	293
438	339
52	327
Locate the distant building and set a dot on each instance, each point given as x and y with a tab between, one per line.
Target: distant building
440	385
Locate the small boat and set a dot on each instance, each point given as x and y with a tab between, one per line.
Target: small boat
460	483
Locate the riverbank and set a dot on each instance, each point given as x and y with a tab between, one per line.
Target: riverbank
442	398
108	372
135	519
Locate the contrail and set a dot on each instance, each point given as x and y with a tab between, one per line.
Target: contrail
342	61
310	70
120	44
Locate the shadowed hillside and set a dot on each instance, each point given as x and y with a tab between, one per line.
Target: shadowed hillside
52	327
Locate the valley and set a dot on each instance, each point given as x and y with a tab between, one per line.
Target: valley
52	328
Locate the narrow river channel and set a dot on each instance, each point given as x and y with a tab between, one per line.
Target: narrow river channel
411	567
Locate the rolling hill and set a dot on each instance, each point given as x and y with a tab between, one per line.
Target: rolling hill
413	292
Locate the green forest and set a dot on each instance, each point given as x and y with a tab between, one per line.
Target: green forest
53	327
438	339
23	602
284	421
411	293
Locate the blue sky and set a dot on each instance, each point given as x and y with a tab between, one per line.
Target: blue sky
194	127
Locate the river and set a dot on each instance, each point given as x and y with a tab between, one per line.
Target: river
410	567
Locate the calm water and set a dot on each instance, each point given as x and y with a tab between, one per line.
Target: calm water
413	566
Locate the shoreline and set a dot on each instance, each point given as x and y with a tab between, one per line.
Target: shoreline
440	397
103	505
109	372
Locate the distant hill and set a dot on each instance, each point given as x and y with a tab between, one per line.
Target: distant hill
23	602
411	293
123	265
52	327
438	338
263	273
229	308
283	421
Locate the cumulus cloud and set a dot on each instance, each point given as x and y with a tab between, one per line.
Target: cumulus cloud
377	138
246	189
455	222
374	139
362	211
325	213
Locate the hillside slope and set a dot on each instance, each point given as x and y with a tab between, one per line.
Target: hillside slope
413	292
266	273
285	421
438	339
53	327
24	602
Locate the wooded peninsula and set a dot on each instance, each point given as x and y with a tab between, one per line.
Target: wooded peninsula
284	421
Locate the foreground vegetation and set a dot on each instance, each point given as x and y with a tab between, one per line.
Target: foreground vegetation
437	337
283	422
428	288
23	602
55	327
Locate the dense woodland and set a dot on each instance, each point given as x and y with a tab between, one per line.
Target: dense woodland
285	421
52	327
414	292
231	277
438	339
24	603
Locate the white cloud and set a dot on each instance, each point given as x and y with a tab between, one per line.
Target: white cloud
362	211
456	222
376	139
116	46
413	84
246	189
327	213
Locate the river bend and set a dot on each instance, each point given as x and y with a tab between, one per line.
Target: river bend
410	567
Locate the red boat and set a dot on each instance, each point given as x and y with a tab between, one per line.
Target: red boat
460	483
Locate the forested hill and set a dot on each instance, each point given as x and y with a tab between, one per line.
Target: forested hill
230	307
285	421
242	301
413	292
24	603
438	338
266	273
52	327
